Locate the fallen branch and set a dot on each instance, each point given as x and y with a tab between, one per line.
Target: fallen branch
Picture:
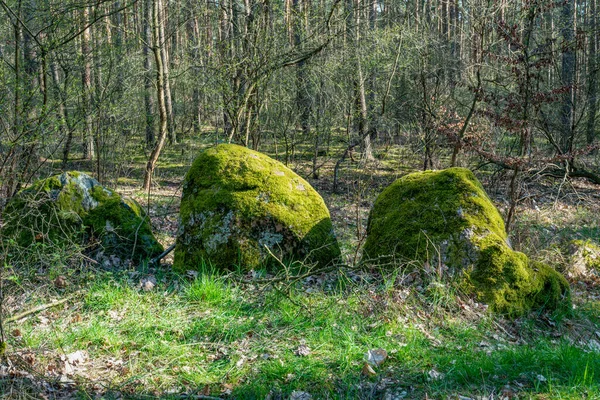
40	308
162	255
557	172
582	173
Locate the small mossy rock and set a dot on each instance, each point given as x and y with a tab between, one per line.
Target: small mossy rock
73	208
446	218
584	259
237	202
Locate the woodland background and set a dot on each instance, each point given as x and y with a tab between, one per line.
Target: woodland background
351	94
513	82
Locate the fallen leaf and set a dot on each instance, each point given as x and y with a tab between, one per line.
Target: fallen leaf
394	395
60	282
148	283
376	357
77	357
51	368
115	315
113	363
72	360
16	333
299	395
29	358
302	350
367	370
508	392
192	274
240	362
227	389
435	375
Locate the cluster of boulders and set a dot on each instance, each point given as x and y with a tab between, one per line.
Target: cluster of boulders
242	209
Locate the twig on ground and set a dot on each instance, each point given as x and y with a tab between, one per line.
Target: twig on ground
162	255
41	307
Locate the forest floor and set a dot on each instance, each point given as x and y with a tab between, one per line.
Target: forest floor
144	332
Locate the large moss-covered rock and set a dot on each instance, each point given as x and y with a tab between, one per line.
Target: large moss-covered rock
237	203
446	219
74	209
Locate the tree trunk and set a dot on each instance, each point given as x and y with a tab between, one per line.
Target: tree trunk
61	114
86	83
11	158
162	18
148	98
592	76
157	48
567	76
353	22
302	90
193	33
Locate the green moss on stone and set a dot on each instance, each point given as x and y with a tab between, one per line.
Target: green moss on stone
47	212
123	225
430	207
512	284
72	208
445	217
237	201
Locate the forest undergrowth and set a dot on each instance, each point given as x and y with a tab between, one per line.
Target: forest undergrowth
82	330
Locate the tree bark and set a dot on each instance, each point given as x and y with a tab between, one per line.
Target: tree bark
86	83
148	74
592	75
62	114
567	76
157	49
164	54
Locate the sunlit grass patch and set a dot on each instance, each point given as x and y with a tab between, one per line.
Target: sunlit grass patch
242	339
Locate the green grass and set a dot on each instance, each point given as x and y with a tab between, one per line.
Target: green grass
229	337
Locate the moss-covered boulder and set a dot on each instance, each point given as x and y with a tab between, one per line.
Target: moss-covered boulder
446	219
239	206
74	209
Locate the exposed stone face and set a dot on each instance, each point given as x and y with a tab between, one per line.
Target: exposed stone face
237	203
74	209
446	219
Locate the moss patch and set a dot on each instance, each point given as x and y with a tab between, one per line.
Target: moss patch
447	219
513	284
237	203
73	208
